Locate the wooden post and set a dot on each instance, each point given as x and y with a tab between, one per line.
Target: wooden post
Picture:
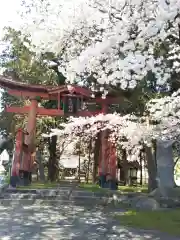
89	160
17	158
112	160
79	164
30	138
31	124
104	159
17	154
59	101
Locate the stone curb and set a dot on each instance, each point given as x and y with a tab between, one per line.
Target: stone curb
41	202
3	188
46	192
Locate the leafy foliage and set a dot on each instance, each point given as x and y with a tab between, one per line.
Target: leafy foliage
20	63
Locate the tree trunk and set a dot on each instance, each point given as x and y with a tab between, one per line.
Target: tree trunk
141	168
125	166
96	157
52	165
89	161
41	166
152	168
79	164
165	165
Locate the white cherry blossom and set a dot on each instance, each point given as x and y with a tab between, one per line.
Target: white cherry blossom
112	39
128	131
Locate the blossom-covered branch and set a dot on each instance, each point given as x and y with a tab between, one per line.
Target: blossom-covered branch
166	112
127	130
112	40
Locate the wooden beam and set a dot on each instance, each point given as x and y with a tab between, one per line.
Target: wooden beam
50	112
85	92
82	91
26	94
19	110
46	96
40	111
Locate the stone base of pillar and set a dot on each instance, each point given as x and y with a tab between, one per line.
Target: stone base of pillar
25	178
14	180
112	184
102	180
106	181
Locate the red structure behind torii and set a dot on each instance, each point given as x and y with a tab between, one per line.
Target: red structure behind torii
70	99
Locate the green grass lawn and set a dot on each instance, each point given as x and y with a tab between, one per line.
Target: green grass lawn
141	189
125	189
164	221
38	185
91	187
85	186
7	179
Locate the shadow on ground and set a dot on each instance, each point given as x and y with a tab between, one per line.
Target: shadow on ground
53	220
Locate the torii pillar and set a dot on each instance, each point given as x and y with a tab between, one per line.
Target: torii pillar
27	160
107	159
31	124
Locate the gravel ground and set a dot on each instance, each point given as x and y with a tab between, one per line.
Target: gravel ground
65	221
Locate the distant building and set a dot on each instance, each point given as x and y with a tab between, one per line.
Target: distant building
68	159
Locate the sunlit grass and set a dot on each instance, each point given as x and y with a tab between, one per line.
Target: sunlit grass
38	185
164	221
94	188
86	186
141	189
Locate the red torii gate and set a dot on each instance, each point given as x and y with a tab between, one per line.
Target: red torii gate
63	95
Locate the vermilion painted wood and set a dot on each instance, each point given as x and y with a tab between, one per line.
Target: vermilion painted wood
18	153
49	112
26	94
76	89
40	111
15	86
45	96
30	138
8	83
53	96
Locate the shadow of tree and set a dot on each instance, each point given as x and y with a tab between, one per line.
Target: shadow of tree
65	221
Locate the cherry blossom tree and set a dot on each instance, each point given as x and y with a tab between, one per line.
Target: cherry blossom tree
131	133
86	129
166	113
111	41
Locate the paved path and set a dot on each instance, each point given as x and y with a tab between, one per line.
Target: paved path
66	221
